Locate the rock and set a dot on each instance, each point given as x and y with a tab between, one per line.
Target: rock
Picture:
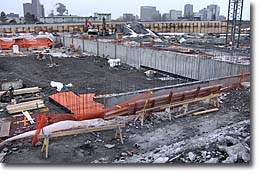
204	154
66	145
231	140
212	160
96	161
247	140
238	149
231	159
130	153
5	150
2	156
14	149
208	156
99	140
39	143
110	146
191	156
161	160
87	142
122	159
246	157
123	154
80	154
136	145
102	159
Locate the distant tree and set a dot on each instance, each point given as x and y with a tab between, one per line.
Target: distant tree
3	17
30	19
12	21
61	9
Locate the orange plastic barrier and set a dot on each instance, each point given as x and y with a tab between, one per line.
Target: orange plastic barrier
26	43
82	104
82	107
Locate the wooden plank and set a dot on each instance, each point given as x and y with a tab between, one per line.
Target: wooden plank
30	99
81	131
182	103
24	91
206	111
4	129
189	112
28	116
26	106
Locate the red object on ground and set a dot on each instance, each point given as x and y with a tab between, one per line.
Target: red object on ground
82	107
34	42
144	95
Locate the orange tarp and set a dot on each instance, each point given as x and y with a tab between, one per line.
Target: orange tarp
26	43
81	106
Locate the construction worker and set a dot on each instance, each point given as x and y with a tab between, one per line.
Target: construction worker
8	95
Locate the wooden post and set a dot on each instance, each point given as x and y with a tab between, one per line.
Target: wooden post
168	112
45	145
119	133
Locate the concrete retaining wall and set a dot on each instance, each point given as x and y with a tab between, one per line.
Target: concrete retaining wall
190	66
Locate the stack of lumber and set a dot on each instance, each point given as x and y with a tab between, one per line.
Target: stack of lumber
25	106
24	91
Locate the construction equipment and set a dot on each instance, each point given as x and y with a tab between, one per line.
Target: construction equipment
235	10
88	28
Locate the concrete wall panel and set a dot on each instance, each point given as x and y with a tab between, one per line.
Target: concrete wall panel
190	66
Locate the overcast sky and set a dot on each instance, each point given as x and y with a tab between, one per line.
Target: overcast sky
118	7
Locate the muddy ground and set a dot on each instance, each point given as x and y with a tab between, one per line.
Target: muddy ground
220	137
88	75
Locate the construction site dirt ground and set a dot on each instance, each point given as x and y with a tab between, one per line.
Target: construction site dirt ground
88	75
219	137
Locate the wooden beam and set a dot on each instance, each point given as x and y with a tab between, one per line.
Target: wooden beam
28	116
181	103
189	112
206	111
81	131
26	106
24	91
4	129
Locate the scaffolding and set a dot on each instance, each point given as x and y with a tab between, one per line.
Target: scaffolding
234	20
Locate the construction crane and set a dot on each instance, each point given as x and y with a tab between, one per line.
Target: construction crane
234	20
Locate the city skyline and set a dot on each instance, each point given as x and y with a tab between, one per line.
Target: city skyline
133	6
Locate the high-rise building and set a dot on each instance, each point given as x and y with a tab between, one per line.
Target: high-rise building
166	16
129	17
188	10
35	8
42	11
203	14
222	18
175	14
27	8
149	13
213	12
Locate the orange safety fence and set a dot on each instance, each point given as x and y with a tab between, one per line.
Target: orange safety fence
82	107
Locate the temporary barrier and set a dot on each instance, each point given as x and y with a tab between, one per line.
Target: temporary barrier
27	42
82	107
